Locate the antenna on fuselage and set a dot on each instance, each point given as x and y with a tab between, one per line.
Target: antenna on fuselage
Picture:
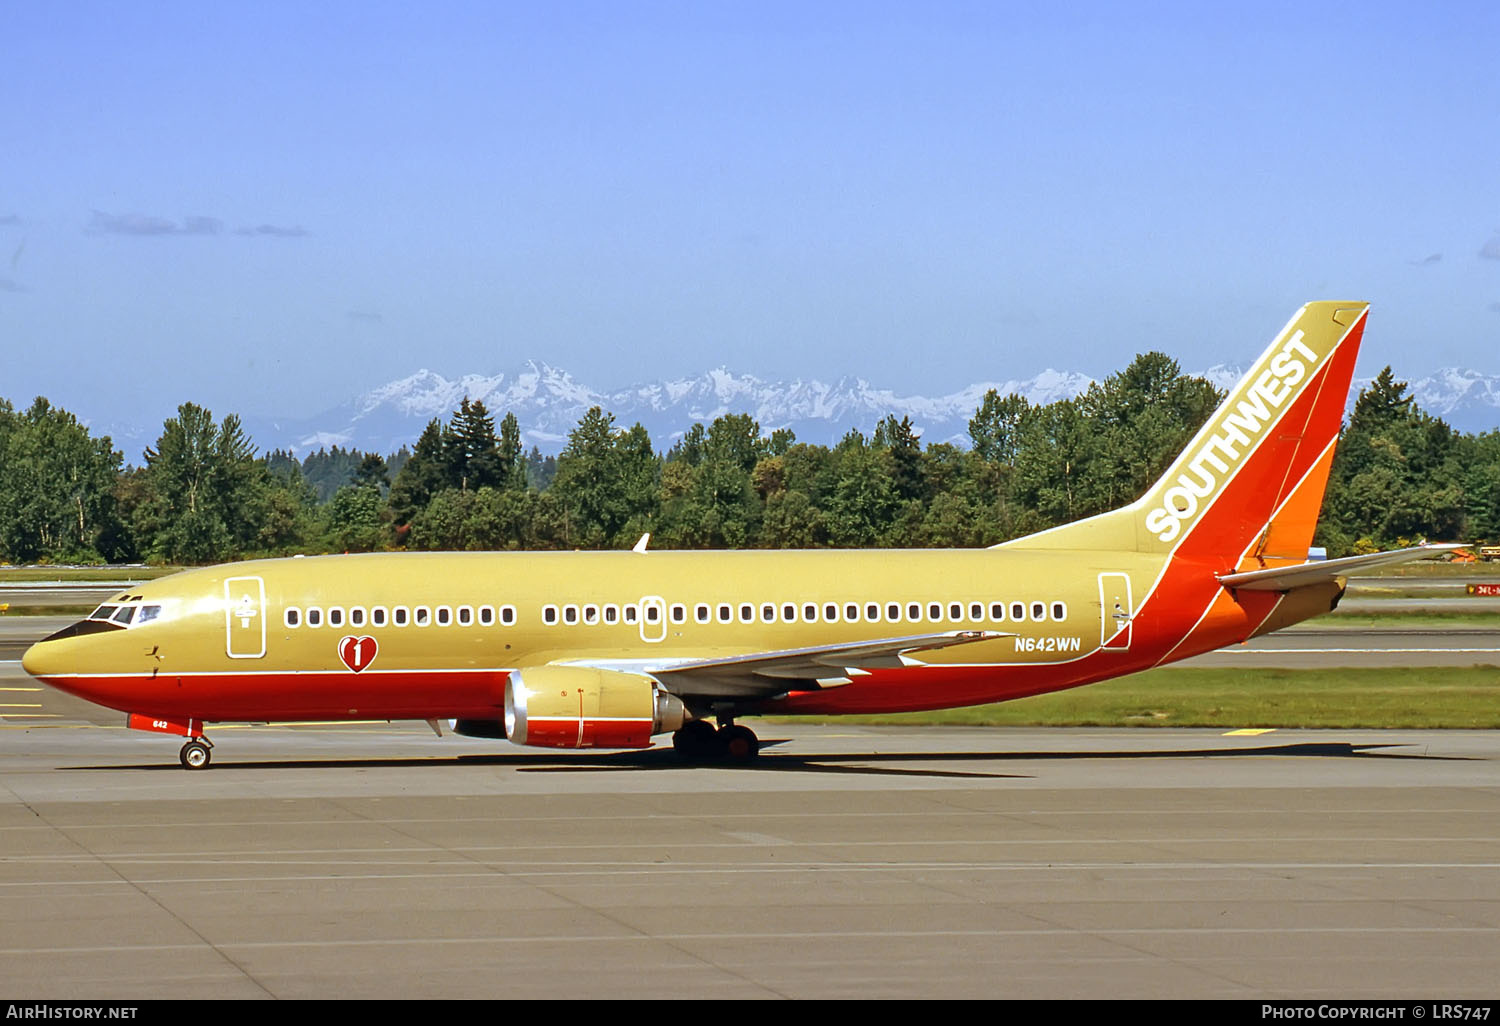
640	546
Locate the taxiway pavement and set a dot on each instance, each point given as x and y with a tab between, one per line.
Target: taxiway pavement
380	861
384	862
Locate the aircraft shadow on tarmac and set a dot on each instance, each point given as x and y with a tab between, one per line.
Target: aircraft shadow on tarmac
891	763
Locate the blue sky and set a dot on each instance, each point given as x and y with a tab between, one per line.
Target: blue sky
268	208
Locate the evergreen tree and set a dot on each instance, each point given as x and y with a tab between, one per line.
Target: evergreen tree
512	457
606	482
995	429
56	487
372	473
473	455
1397	475
352	520
540	470
422	476
206	489
899	438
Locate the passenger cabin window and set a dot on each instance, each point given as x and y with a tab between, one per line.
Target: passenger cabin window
934	611
976	611
809	613
789	613
507	615
570	613
851	613
611	613
726	613
1018	611
314	616
768	614
893	613
400	616
549	615
292	616
702	614
421	616
444	616
679	613
1059	611
1039	611
914	612
747	614
831	612
591	614
632	613
997	611
465	616
357	617
336	616
653	614
378	616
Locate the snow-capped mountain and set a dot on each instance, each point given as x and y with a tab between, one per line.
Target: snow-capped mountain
1468	400
548	401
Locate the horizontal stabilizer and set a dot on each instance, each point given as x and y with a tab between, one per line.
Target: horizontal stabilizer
1285	578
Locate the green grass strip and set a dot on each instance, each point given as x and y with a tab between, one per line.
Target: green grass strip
1434	618
1432	697
25	574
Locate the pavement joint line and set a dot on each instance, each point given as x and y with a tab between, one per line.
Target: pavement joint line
637	937
700	870
237	857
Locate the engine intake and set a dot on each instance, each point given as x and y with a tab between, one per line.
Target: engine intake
583	707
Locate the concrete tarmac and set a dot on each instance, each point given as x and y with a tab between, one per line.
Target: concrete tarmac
849	862
380	861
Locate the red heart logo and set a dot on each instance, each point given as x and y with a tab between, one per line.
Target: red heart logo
357	652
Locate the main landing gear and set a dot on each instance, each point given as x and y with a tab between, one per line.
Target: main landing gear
196	754
698	741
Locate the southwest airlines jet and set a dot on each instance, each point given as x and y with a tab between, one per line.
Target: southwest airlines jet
608	649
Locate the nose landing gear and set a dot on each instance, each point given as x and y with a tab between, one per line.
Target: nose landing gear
196	751
196	754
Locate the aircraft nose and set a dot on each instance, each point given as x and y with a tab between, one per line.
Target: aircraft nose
56	651
40	660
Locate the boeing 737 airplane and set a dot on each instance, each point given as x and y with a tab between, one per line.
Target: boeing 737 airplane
608	649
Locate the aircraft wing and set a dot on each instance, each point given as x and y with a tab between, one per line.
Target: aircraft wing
1285	578
771	673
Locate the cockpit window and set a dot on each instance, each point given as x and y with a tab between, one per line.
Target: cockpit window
131	614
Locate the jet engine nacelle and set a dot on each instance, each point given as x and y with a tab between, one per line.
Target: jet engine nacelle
583	707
